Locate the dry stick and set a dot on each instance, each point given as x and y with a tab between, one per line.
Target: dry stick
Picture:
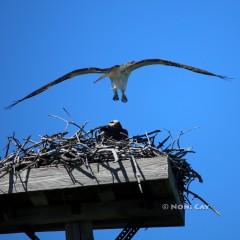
182	132
137	174
22	146
161	144
149	143
66	111
205	202
86	160
84	145
112	150
7	147
60	118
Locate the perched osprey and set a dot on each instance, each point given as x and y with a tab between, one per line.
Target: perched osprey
114	130
118	75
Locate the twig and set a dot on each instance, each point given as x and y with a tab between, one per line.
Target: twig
205	202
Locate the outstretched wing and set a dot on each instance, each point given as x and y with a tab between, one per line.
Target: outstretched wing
59	80
147	62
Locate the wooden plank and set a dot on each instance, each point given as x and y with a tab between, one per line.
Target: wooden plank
97	174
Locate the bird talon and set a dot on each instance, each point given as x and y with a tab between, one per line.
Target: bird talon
124	99
115	97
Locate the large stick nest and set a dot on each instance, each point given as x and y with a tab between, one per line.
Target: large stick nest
86	147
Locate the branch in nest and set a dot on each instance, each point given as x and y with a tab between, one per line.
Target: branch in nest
202	200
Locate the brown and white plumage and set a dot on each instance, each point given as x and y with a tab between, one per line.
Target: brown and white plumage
118	75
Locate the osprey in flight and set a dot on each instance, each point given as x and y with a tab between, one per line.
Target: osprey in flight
118	75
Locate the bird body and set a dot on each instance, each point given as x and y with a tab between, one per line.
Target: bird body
118	74
119	78
114	130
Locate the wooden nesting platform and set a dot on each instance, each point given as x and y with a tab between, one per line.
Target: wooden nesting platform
106	195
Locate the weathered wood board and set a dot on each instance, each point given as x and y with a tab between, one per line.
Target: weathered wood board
106	195
98	173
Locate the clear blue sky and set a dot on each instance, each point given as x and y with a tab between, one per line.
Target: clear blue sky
42	40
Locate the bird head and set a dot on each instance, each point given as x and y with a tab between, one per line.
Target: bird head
115	123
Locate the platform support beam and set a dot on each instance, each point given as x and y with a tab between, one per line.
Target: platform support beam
79	231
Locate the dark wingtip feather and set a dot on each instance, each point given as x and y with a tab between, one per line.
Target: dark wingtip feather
225	78
12	105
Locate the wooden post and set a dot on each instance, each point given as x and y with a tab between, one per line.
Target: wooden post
79	231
